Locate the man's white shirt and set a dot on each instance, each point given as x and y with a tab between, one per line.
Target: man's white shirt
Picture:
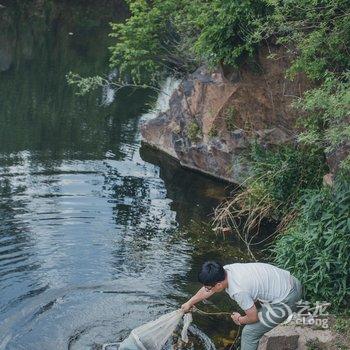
250	282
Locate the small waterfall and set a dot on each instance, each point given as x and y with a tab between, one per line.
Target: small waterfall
162	103
108	92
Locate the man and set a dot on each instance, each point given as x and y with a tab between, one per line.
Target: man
276	290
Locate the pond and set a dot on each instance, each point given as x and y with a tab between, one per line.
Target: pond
98	235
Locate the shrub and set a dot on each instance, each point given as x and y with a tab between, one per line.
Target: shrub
149	43
315	248
286	171
317	33
326	114
178	35
230	31
278	177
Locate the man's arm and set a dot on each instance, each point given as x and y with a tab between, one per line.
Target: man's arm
251	316
202	294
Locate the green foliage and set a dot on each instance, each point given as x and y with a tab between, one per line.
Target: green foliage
177	35
193	131
326	114
318	33
230	30
84	85
173	32
286	171
315	248
342	325
227	31
148	43
278	177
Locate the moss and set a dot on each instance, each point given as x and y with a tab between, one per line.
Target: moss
313	345
193	131
342	325
213	132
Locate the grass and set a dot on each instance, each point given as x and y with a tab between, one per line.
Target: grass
342	325
315	246
231	118
278	178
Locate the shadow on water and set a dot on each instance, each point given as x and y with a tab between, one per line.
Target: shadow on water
95	238
198	199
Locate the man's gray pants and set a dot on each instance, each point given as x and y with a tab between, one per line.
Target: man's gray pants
270	315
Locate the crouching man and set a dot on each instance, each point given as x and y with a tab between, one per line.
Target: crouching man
275	289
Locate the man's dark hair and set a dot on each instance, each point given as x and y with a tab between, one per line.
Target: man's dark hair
211	273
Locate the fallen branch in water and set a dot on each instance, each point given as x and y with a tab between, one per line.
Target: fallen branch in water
88	84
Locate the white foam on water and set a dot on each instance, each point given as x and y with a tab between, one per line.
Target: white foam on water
204	339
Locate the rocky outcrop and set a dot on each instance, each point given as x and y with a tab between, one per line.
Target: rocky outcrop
293	337
214	116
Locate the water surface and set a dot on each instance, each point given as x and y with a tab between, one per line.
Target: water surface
97	236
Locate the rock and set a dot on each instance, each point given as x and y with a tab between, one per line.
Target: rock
214	116
274	136
293	337
161	133
328	179
335	157
281	338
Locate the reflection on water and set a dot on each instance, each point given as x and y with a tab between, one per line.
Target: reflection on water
95	238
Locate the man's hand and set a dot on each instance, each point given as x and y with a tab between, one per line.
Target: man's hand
235	316
202	294
186	307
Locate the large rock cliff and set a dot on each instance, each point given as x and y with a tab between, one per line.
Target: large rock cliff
214	116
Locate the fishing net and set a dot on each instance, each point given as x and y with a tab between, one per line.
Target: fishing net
153	335
184	333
